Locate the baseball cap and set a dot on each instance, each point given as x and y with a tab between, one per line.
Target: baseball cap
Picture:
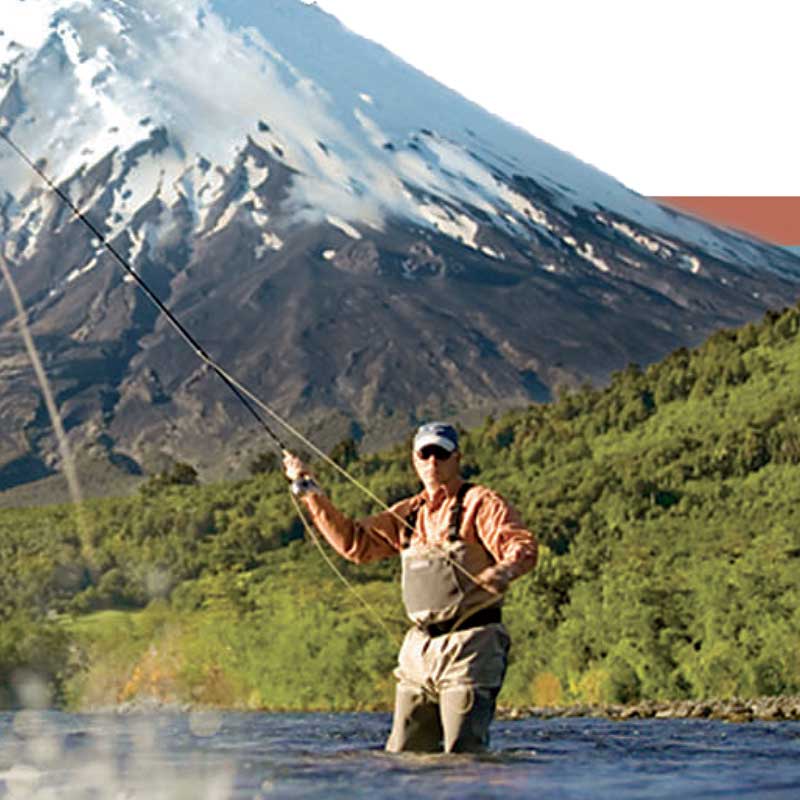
438	433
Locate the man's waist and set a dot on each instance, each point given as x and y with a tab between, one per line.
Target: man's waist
486	616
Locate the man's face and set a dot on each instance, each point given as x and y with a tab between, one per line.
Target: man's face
435	466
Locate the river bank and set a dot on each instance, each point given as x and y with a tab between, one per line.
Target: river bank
768	709
765	709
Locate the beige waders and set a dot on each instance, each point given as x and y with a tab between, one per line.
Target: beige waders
452	663
447	688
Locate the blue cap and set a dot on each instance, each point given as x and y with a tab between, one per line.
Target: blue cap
439	433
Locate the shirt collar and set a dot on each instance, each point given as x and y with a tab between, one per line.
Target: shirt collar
442	494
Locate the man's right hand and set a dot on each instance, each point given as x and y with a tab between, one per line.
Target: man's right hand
294	468
301	479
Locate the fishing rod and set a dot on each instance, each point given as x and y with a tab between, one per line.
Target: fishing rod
199	351
240	392
249	400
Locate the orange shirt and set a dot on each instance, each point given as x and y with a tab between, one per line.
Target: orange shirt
486	518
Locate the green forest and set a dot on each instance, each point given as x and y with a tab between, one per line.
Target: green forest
666	505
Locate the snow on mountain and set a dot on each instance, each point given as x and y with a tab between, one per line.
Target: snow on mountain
361	245
369	137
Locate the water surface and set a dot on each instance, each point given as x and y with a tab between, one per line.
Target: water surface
215	756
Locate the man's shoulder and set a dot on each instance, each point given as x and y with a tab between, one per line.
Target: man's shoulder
480	493
481	490
408	504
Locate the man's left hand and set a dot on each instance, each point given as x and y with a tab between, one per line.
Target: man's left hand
494	579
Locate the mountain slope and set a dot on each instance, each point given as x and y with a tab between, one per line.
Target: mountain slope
359	245
666	505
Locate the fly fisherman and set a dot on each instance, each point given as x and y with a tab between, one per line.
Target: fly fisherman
460	546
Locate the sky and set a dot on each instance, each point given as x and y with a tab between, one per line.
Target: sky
671	97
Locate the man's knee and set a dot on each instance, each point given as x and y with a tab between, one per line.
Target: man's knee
416	726
467	713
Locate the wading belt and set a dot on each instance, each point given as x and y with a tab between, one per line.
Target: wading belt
485	616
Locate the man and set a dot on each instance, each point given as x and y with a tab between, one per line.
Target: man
460	545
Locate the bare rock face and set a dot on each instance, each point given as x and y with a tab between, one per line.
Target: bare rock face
359	258
356	244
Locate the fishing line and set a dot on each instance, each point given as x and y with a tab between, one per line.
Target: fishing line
339	574
67	459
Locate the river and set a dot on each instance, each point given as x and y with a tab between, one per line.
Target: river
211	756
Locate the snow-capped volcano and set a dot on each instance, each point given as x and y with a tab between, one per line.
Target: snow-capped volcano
351	235
368	137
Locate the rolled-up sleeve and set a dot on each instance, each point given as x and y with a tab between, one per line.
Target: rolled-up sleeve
359	540
500	528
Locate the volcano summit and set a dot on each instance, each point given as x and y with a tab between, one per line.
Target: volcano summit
357	244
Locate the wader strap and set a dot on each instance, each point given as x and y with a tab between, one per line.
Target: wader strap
455	518
409	528
458	510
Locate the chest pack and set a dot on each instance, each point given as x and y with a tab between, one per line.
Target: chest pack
436	583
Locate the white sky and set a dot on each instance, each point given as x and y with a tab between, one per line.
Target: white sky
672	97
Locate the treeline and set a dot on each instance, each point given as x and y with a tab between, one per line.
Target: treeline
666	503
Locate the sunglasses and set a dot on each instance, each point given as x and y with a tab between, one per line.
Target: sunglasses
439	453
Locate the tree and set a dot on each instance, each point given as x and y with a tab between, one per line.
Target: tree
179	474
345	452
263	463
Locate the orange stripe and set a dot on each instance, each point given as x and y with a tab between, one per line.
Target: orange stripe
775	219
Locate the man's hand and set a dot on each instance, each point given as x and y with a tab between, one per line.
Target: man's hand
294	468
494	579
300	477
